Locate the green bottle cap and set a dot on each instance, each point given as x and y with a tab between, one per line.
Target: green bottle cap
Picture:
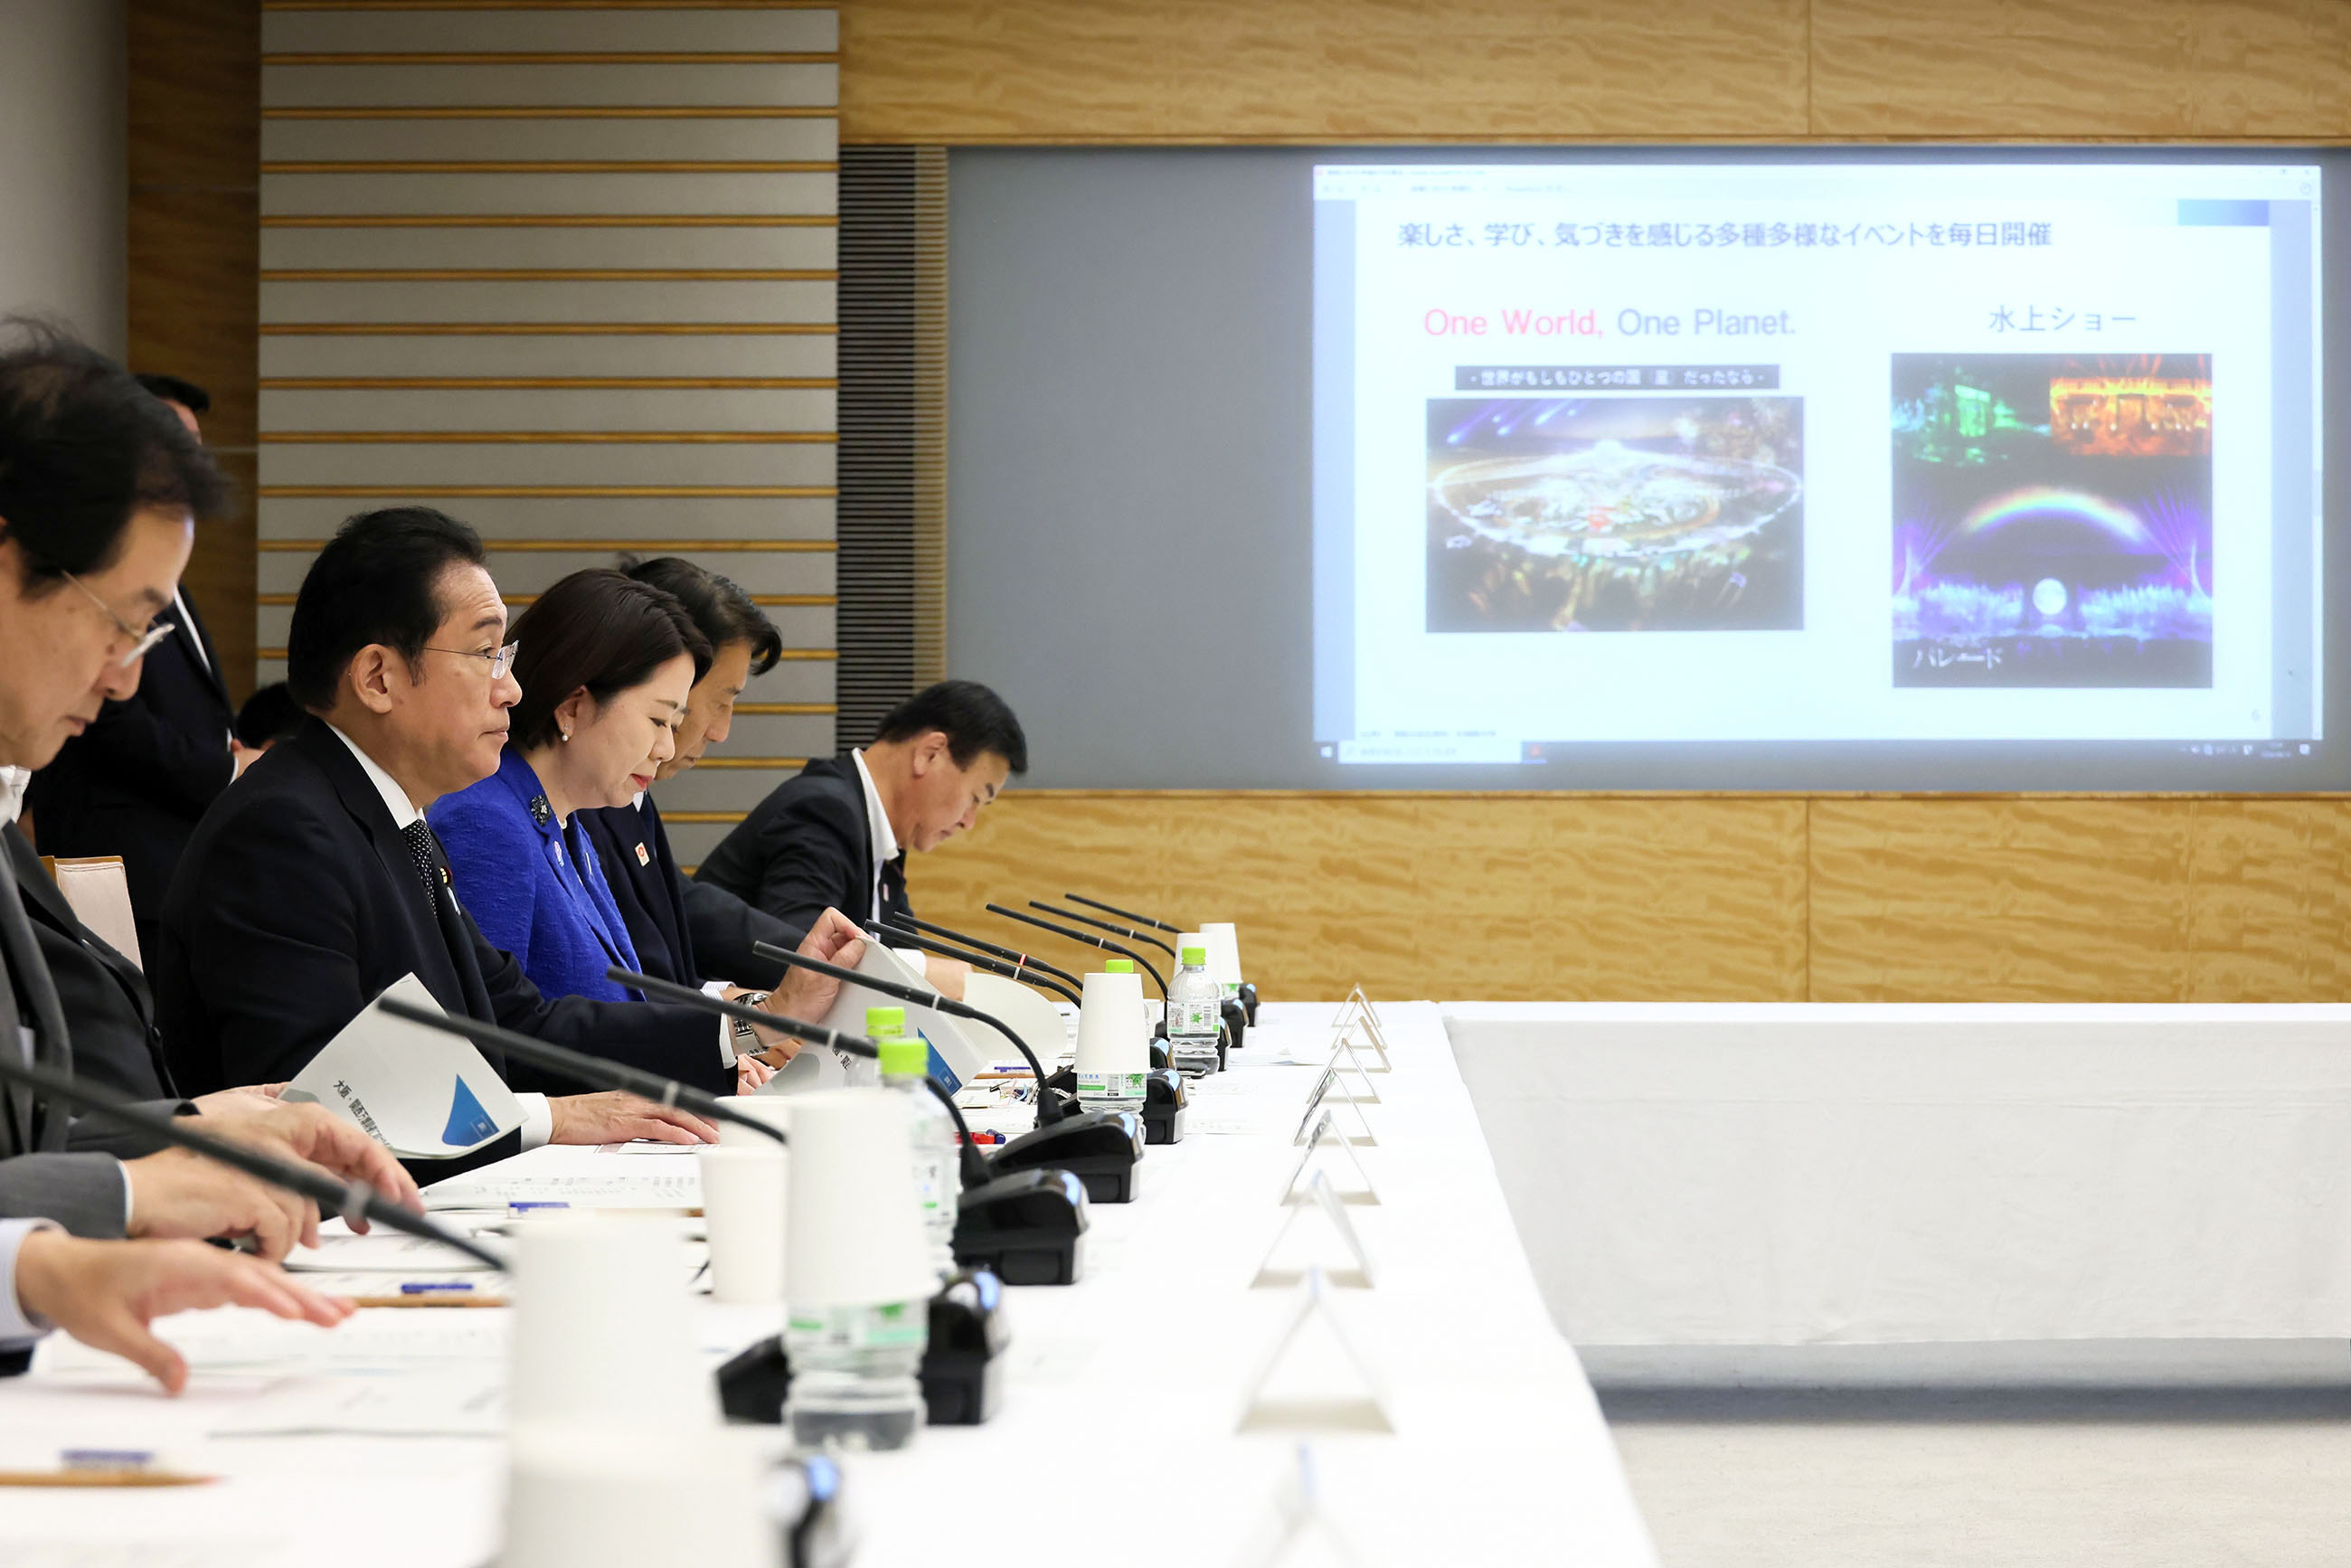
1196	957
903	1057
882	1022
1119	966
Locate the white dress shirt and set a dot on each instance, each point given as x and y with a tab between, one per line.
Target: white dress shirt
537	1120
18	1327
877	828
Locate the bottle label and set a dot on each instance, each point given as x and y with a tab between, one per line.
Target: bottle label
1109	1085
929	1181
891	1327
1193	1018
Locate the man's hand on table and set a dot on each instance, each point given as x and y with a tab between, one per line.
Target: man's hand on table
105	1294
616	1117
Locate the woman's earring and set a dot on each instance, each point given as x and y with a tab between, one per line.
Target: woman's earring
566	738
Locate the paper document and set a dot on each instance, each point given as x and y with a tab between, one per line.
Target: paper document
420	1092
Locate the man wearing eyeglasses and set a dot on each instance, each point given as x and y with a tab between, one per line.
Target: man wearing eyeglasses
317	882
138	779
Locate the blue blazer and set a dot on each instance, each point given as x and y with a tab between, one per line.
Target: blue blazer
535	889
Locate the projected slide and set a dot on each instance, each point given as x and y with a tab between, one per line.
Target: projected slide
1815	453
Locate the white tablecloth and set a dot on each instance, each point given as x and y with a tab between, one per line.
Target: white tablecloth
1117	1442
1791	1174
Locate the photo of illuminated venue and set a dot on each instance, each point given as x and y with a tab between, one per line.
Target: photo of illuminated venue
1615	514
2053	520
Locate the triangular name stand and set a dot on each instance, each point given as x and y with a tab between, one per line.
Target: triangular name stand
1355	1017
1343	1058
1316	1234
1299	1533
1330	1151
1324	1101
1315	1379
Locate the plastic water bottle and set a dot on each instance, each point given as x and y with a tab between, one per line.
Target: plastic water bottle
856	1374
938	1149
1195	1015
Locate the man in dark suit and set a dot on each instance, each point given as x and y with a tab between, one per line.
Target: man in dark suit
693	931
138	780
97	499
837	834
317	882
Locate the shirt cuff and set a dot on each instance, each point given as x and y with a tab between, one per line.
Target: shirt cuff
128	1202
18	1327
537	1120
725	1040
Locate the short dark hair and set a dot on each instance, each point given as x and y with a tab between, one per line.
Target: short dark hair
600	629
718	605
377	580
82	449
975	719
269	715
177	388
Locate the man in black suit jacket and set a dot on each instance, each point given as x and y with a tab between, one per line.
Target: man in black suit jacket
138	779
316	883
837	834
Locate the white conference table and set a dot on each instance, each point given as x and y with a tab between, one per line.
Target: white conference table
1118	1439
1780	1175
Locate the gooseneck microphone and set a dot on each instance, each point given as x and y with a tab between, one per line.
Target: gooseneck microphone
578	1066
352	1199
1051	1110
1122	914
1084	919
1088	938
1020	961
900	936
1100	1147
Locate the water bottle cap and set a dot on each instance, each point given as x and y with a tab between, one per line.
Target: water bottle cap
1196	958
1119	966
903	1057
880	1022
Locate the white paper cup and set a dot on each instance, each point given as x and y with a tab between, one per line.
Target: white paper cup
743	1214
852	1225
1224	951
770	1109
600	1331
618	1497
1112	1035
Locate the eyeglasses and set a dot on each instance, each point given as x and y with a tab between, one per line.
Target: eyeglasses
142	642
500	661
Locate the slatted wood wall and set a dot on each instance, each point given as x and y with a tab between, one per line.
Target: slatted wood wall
569	273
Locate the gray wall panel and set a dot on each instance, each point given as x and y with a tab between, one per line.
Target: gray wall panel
520	463
766	85
771	247
552	353
645	518
790	408
718	28
612	137
540	300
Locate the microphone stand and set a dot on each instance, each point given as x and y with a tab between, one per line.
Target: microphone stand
1103	925
1123	913
352	1200
979	961
1100	1147
1017	960
1104	943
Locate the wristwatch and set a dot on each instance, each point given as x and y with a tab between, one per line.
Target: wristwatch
746	1037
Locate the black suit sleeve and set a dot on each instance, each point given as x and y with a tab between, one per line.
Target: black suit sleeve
811	860
676	1042
723	928
180	768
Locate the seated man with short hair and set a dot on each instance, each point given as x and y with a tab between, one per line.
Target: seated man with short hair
317	882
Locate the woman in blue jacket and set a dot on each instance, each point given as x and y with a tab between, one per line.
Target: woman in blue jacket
606	666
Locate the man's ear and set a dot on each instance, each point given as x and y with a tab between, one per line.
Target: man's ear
378	677
928	753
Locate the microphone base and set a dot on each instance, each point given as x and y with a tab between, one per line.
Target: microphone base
962	1382
1163	1107
1248	1001
1024	1226
1237	1019
1101	1148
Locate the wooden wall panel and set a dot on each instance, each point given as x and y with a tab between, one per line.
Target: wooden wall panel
1505	896
2016	69
2269	902
1319	70
194	72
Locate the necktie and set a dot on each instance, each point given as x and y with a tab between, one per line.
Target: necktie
893	890
424	849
